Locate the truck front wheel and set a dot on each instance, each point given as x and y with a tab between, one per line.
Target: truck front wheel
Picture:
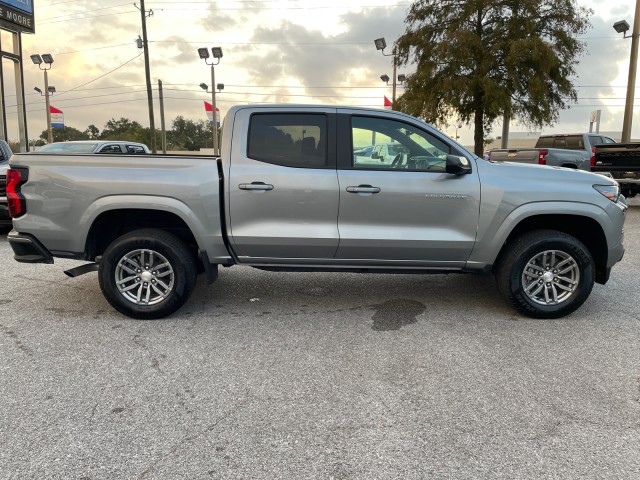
545	273
147	273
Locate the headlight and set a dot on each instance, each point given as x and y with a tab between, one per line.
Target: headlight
612	192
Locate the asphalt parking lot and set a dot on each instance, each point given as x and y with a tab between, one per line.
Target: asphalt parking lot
327	376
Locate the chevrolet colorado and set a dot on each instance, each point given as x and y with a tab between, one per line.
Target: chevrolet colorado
288	194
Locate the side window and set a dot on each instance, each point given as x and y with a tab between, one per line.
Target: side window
575	143
135	149
608	140
289	139
595	140
111	149
397	146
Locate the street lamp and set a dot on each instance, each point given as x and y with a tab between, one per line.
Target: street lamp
203	53
47	60
622	27
381	44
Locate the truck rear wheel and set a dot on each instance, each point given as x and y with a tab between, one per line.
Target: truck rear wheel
147	274
545	273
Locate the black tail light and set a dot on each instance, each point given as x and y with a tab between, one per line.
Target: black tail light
16	177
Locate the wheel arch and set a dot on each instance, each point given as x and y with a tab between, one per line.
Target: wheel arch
584	228
111	224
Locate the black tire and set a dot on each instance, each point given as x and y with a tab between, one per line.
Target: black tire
524	273
147	293
5	229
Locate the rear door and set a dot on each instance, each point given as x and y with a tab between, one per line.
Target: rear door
283	186
412	213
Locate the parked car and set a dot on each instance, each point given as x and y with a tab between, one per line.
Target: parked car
5	154
96	146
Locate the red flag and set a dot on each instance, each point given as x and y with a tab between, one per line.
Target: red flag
387	102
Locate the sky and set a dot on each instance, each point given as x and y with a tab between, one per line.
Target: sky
274	51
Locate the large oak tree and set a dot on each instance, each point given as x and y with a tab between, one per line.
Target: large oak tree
479	59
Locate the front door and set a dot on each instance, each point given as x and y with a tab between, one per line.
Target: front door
405	210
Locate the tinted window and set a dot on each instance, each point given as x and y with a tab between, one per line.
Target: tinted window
291	140
111	149
398	146
135	149
575	142
544	142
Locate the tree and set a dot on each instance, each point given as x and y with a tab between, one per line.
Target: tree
65	134
189	135
92	132
123	129
480	59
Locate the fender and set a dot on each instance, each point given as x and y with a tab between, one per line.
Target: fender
487	249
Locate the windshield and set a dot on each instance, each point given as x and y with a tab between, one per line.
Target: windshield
69	147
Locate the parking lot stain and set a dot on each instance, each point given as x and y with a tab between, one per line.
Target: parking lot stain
395	314
18	343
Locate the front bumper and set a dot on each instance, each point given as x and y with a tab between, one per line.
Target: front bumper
27	248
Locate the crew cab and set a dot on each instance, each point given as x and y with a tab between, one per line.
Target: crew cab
288	194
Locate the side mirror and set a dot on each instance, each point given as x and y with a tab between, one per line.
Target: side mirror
457	165
376	156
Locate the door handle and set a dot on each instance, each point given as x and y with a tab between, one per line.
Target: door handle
260	186
363	189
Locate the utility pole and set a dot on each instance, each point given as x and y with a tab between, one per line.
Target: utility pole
631	83
145	46
162	125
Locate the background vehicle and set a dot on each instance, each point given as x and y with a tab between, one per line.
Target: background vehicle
622	162
289	194
96	146
387	152
5	155
570	151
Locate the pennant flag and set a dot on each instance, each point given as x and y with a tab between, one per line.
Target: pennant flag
387	103
57	117
209	109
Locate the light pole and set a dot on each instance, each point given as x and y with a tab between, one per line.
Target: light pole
381	44
47	60
216	52
205	87
622	27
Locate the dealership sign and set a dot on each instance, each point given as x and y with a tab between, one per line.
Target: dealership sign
17	15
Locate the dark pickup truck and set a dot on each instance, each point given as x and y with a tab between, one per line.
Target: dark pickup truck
622	161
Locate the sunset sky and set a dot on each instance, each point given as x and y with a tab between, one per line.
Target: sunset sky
285	51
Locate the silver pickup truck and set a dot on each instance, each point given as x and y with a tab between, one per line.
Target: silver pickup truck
288	194
561	150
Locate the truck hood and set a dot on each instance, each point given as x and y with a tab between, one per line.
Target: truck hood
519	183
545	172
